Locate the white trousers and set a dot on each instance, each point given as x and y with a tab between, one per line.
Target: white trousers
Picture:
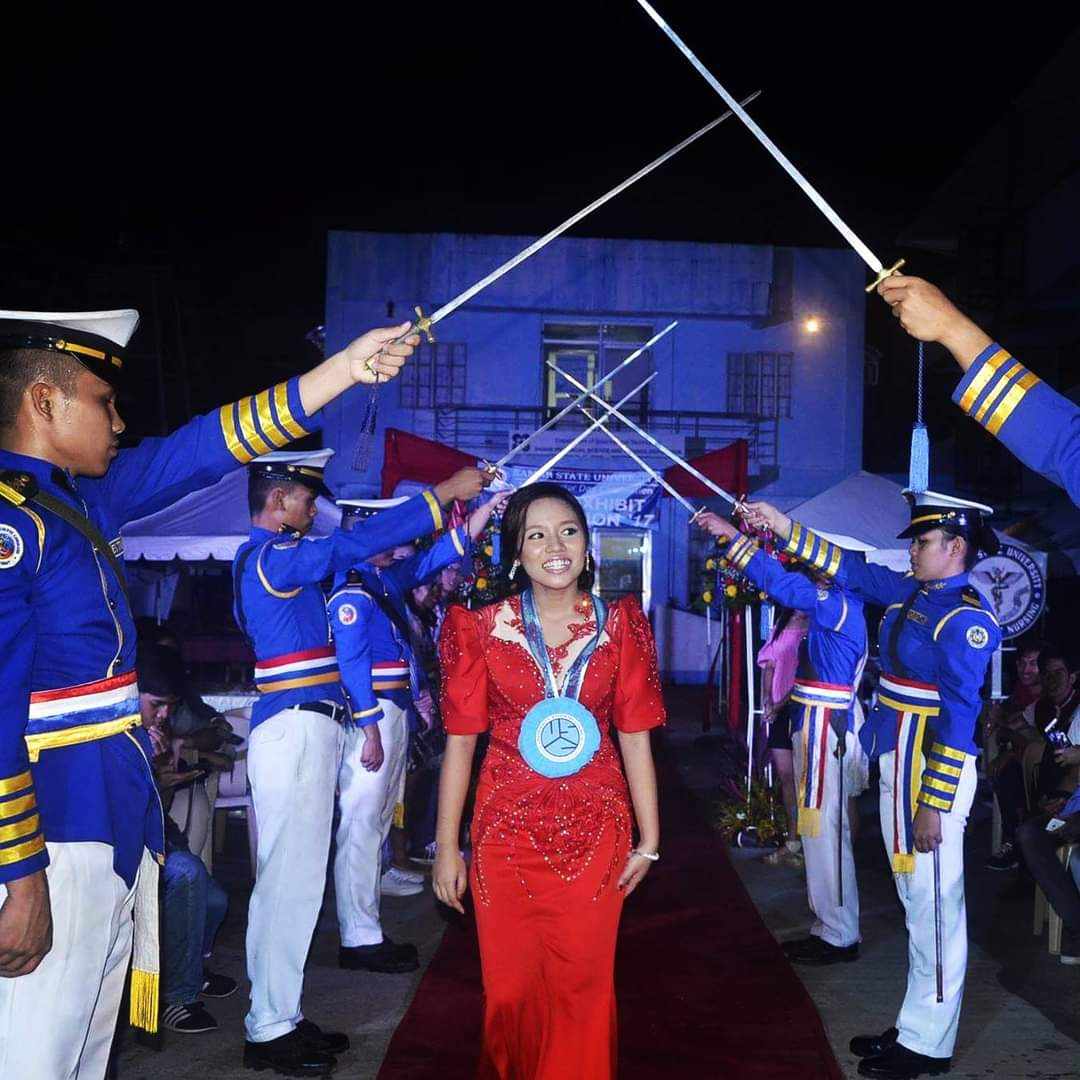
293	763
926	1026
367	812
828	853
57	1022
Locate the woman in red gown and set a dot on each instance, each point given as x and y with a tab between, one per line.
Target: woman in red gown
553	859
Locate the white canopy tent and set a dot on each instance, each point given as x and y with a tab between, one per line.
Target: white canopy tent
207	524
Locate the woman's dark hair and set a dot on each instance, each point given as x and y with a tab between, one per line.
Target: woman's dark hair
783	617
513	530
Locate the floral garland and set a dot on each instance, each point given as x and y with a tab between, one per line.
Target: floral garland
725	585
759	821
486	581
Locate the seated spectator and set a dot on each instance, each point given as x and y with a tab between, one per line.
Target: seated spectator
194	904
1039	839
1006	722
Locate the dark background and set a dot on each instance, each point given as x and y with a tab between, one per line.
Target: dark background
189	162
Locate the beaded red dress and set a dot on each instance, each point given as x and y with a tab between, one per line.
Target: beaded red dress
547	853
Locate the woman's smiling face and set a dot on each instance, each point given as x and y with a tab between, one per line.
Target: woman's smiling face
552	544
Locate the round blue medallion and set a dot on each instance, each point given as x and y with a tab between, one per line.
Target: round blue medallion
558	737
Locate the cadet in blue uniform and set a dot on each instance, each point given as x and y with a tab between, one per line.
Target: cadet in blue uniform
297	730
824	706
936	641
370	624
80	820
1039	425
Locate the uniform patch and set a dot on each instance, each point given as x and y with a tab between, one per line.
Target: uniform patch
823	594
346	614
11	546
977	637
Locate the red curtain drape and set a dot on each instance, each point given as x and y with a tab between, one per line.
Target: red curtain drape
409	457
726	467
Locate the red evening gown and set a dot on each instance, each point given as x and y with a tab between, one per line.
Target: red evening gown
548	852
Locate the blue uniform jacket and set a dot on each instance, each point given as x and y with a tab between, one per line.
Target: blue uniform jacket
835	644
281	607
1036	423
947	641
370	648
67	638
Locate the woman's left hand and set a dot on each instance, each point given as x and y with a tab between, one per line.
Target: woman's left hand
634	872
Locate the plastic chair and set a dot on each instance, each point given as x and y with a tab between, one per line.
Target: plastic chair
234	793
1045	913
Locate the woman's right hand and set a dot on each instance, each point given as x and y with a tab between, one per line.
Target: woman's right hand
450	878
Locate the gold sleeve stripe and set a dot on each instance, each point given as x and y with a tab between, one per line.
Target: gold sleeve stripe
15	807
456	537
985	374
15	783
824	549
1009	402
834	563
948	753
267	422
281	403
795	539
232	440
270	588
808	545
22	851
933	801
19	829
948	770
998	389
367	712
248	428
939	785
434	507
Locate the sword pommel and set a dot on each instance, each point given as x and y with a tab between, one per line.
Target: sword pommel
423	324
882	275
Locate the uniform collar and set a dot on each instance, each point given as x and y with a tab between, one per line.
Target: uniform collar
44	472
957	581
259	533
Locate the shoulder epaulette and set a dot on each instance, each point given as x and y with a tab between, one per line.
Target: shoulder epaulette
16	487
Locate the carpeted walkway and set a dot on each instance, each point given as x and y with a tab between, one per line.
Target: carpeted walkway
704	990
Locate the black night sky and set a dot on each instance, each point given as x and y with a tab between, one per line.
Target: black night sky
218	152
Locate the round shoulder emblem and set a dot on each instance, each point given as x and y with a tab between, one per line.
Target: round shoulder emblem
346	614
977	637
11	546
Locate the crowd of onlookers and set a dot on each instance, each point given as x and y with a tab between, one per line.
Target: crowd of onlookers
193	743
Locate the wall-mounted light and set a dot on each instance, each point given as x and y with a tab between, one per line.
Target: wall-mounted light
811	324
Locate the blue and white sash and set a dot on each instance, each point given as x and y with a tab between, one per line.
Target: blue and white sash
558	736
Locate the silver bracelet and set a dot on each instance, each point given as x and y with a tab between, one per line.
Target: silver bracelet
652	856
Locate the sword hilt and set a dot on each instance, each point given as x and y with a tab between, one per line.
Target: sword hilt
423	324
883	273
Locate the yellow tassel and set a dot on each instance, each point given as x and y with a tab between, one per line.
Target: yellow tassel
903	864
144	1000
809	822
399	816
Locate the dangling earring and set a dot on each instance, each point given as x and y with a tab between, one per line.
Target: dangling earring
588	561
515	568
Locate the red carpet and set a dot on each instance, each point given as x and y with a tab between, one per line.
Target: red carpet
704	990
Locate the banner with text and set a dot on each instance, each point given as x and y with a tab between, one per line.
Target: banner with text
628	499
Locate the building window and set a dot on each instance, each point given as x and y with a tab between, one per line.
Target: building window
588	352
759	383
434	376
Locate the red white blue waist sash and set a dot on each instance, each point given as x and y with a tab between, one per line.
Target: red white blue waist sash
311	667
810	727
83	713
913	703
390	675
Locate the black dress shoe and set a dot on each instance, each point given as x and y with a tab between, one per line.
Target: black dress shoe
387	957
329	1042
900	1063
873	1045
817	951
289	1055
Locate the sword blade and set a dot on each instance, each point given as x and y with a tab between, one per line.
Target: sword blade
546	239
642	463
939	971
652	440
556	458
781	159
581	397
